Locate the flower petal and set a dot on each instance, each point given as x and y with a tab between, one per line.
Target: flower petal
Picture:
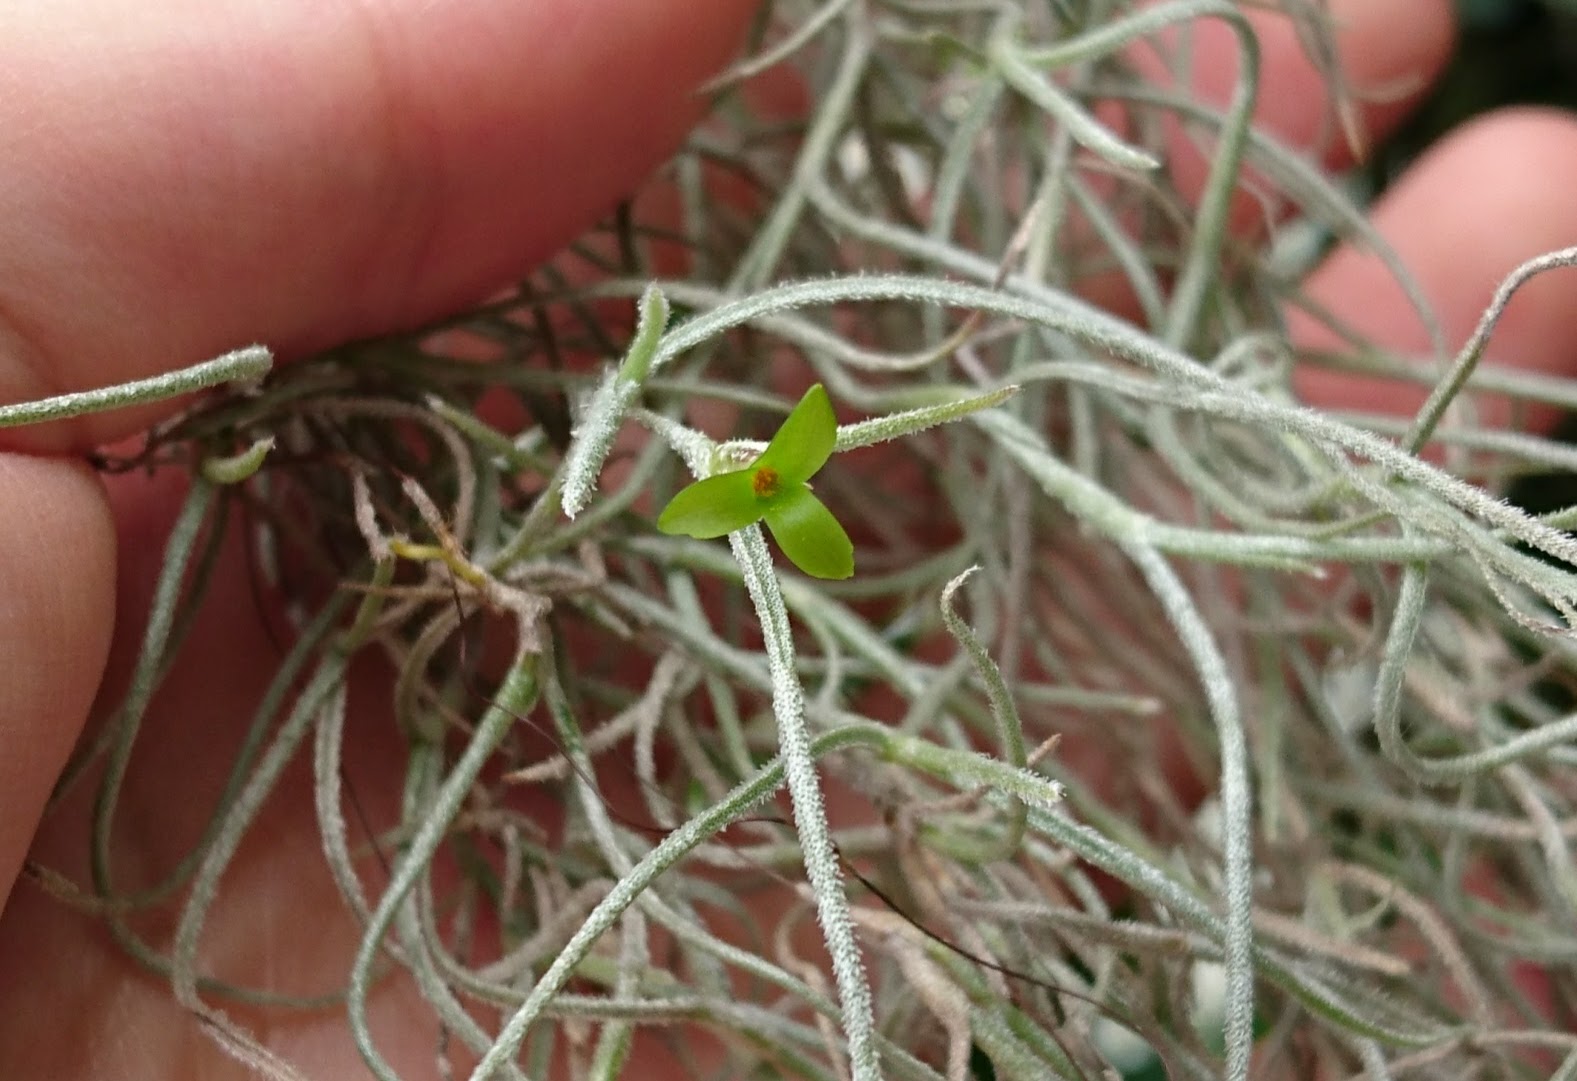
804	443
713	506
809	535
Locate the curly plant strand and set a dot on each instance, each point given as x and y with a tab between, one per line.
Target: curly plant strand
1304	682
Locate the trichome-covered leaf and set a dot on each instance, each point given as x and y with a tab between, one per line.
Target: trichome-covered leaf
809	535
805	442
712	507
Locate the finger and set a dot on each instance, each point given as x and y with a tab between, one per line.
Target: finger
182	179
1490	197
1387	52
57	573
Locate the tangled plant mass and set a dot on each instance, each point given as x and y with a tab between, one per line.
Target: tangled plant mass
1329	676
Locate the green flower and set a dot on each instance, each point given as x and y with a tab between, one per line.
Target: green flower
774	487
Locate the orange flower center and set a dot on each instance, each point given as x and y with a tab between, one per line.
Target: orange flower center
765	483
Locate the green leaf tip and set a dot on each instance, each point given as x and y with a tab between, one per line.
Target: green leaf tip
804	442
774	488
809	535
712	507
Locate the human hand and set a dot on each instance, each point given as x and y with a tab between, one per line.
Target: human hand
183	179
233	255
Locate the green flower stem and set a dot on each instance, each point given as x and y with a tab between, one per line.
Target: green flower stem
810	819
252	362
684	927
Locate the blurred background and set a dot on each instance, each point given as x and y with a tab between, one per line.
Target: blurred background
1511	52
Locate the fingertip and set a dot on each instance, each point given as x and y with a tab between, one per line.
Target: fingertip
1391	52
1385	55
57	581
1489	197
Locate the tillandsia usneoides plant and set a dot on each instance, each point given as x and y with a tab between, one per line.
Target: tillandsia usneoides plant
1111	712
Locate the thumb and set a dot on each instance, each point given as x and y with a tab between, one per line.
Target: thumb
57	576
184	178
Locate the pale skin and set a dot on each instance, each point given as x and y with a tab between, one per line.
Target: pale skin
182	178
